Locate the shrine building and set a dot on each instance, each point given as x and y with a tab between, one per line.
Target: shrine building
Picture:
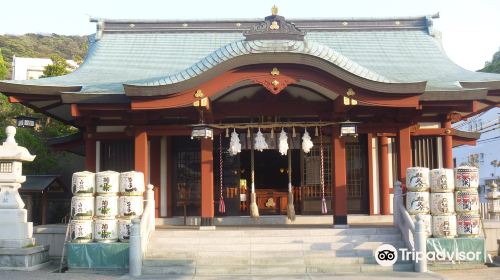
174	99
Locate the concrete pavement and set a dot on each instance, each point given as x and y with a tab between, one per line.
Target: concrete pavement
47	273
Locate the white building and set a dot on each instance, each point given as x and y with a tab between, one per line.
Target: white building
487	148
29	68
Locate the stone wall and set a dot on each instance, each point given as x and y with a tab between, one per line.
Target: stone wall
52	235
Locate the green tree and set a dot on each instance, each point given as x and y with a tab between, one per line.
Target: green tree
58	67
3	67
494	65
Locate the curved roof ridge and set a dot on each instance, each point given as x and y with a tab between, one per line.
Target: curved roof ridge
242	47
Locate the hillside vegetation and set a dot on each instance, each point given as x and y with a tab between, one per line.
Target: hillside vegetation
36	45
494	65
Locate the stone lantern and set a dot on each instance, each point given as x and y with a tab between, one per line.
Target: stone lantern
493	198
17	245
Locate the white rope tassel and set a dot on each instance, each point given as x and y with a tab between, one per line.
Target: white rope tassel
260	142
307	144
234	145
283	146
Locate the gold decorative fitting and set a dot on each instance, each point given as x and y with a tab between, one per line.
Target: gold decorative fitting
275	83
274	10
131	25
238	24
354	102
199	94
347	100
447	131
185	25
275	71
345	23
274	25
350	92
270	203
201	103
397	22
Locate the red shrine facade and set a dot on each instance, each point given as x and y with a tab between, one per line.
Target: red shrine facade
145	84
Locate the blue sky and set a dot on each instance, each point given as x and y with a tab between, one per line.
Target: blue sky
471	29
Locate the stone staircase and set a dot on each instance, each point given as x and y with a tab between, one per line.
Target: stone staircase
268	251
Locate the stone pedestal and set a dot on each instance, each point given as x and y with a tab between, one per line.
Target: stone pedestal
31	258
17	245
16	231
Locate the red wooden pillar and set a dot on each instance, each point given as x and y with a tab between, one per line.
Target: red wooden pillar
339	173
404	153
155	171
207	183
170	170
384	175
141	153
447	146
90	150
370	173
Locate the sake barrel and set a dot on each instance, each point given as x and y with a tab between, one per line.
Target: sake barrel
427	222
130	206
107	182
131	183
106	206
124	228
466	177
417	202
442	203
444	226
81	231
417	179
106	230
82	207
468	225
441	180
466	201
83	183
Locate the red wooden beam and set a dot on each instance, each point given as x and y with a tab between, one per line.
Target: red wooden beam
252	73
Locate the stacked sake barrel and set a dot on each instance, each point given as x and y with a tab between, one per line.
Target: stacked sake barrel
82	206
107	216
444	220
417	195
106	206
467	201
130	202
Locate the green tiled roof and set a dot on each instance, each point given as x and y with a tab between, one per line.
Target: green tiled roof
388	55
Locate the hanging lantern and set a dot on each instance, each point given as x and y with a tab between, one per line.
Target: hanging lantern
307	144
234	145
260	142
283	146
201	131
25	121
348	128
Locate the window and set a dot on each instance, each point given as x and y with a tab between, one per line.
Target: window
6	167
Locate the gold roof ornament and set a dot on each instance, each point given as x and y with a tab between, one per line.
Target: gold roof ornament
274	25
275	71
274	10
